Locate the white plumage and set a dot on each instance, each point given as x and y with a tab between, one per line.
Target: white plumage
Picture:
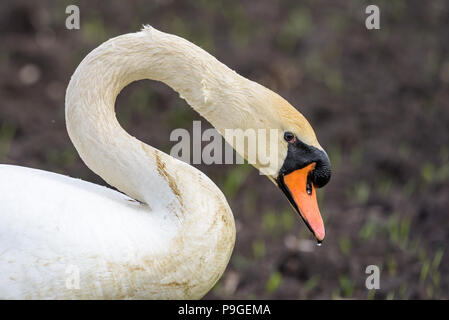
176	240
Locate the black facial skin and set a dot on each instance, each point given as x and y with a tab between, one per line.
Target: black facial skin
299	155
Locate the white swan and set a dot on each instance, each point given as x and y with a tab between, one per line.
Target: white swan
66	238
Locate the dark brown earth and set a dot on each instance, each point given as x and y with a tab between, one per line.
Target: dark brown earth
378	101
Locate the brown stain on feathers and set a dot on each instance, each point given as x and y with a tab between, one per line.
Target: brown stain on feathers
168	177
146	274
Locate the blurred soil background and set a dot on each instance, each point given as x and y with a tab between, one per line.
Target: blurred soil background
377	99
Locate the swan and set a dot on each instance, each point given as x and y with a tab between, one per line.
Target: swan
168	233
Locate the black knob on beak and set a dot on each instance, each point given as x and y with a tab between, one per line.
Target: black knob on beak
322	173
300	155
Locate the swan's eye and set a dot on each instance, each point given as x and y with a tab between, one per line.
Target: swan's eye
289	137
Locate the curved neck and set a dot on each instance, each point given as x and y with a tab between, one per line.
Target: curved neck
142	172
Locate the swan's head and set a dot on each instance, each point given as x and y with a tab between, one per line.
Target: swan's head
302	165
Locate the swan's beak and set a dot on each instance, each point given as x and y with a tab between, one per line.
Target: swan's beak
300	191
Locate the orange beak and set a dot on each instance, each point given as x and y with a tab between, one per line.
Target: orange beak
302	194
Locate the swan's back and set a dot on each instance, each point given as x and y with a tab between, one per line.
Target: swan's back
54	228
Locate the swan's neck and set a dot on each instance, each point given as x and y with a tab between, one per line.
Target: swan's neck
131	166
178	195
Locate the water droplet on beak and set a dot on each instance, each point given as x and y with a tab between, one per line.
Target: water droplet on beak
309	188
